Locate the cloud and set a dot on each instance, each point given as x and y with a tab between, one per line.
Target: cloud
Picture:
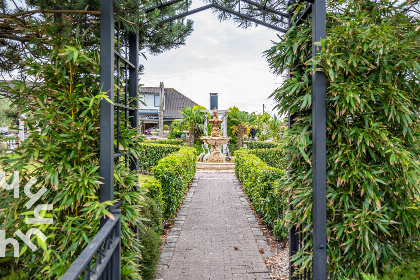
218	57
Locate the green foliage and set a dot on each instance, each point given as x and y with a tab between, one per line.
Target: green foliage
194	118
131	14
153	203
198	147
10	270
260	181
8	113
262	145
167	141
150	154
232	147
230	124
175	134
272	157
152	211
175	172
275	127
406	271
178	124
166	127
63	157
371	59
242	122
12	274
150	252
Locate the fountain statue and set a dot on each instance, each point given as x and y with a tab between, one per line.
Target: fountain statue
215	140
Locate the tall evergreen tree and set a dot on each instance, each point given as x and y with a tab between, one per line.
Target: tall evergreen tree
24	29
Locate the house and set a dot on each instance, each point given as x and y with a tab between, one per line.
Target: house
173	102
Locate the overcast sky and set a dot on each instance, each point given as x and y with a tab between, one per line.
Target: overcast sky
218	57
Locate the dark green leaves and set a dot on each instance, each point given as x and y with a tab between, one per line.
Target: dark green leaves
373	105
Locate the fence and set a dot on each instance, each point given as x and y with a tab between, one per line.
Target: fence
101	259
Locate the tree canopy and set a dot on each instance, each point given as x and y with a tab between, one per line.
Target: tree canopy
25	29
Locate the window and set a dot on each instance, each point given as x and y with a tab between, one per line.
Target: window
156	100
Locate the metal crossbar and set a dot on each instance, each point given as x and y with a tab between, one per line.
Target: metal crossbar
224	9
104	247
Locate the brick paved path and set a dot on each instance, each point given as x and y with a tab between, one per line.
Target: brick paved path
211	223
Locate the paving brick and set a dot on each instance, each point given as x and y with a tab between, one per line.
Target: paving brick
215	234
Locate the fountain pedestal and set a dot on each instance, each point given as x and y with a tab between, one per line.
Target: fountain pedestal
216	147
215	140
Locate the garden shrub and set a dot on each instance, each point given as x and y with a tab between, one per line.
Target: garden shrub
232	147
150	237
167	141
261	145
405	271
175	134
150	154
272	157
150	252
11	274
371	61
198	147
154	204
64	158
152	212
175	172
259	181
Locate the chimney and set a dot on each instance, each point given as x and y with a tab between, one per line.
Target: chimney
214	101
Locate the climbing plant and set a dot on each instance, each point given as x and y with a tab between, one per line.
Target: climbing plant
62	154
371	60
8	114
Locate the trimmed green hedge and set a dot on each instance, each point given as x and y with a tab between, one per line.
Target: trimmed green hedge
262	145
272	157
151	153
152	212
405	271
175	172
260	181
9	273
167	141
153	203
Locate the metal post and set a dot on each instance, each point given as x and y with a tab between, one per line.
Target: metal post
107	109
133	87
293	244
116	256
319	148
160	113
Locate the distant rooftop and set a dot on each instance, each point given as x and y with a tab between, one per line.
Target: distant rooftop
174	101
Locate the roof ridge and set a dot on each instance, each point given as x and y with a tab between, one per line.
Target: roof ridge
172	90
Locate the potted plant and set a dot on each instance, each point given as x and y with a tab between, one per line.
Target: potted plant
253	131
154	131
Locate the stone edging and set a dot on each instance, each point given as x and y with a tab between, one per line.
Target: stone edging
253	222
169	246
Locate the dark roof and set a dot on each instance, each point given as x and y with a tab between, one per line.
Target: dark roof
175	101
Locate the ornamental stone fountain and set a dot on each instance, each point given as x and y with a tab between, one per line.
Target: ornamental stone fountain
215	140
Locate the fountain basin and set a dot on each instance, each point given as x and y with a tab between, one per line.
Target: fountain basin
215	141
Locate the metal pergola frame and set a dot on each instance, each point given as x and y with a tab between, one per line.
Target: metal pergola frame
107	119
